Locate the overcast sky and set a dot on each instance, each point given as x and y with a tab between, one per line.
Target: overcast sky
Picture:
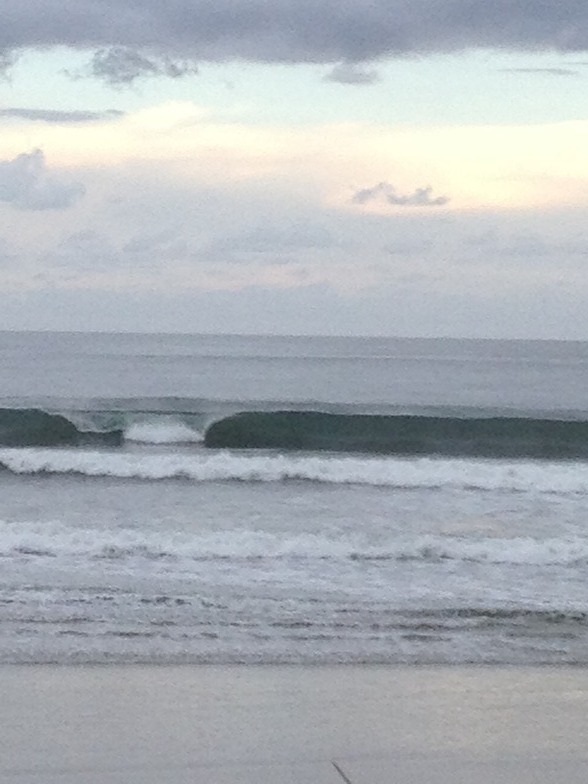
378	167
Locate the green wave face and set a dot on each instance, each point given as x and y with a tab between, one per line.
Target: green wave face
32	427
401	435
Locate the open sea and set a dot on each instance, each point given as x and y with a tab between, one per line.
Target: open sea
226	499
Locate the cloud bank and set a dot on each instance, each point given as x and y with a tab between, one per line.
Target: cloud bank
294	31
26	184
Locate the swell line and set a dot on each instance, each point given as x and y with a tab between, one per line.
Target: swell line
509	437
304	430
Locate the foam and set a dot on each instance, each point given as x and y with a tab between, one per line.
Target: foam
56	540
162	432
402	473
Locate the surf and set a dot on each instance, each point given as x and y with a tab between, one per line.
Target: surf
395	472
401	434
33	427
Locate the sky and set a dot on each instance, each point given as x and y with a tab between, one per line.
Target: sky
348	167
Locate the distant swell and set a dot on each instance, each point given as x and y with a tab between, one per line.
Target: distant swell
31	427
402	434
303	430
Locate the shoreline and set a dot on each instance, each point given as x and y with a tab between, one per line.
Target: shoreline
156	724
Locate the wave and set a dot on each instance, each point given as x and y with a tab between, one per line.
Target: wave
32	427
54	540
441	433
36	427
401	434
393	472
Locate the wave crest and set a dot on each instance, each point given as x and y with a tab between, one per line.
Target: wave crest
33	427
401	434
393	472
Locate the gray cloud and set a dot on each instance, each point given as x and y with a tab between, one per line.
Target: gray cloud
421	197
86	251
7	254
93	251
279	242
546	71
7	60
529	246
57	116
26	184
408	247
150	249
319	31
352	74
121	65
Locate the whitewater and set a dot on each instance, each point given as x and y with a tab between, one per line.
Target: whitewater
221	499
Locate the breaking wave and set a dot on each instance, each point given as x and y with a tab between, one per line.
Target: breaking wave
55	540
301	430
394	472
166	431
32	427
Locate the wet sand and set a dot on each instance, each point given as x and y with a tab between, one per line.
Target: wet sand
280	725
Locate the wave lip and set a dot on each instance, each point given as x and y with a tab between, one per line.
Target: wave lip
26	427
511	437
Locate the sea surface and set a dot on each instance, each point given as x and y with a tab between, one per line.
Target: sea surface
223	499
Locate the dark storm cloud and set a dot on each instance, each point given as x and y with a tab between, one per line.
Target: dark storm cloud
26	184
311	31
383	191
56	115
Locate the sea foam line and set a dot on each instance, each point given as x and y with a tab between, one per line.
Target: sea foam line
407	473
55	539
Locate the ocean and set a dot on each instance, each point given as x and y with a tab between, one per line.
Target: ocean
179	499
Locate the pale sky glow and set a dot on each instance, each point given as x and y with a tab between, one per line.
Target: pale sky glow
288	190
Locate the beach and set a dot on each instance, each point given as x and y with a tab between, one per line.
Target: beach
286	724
